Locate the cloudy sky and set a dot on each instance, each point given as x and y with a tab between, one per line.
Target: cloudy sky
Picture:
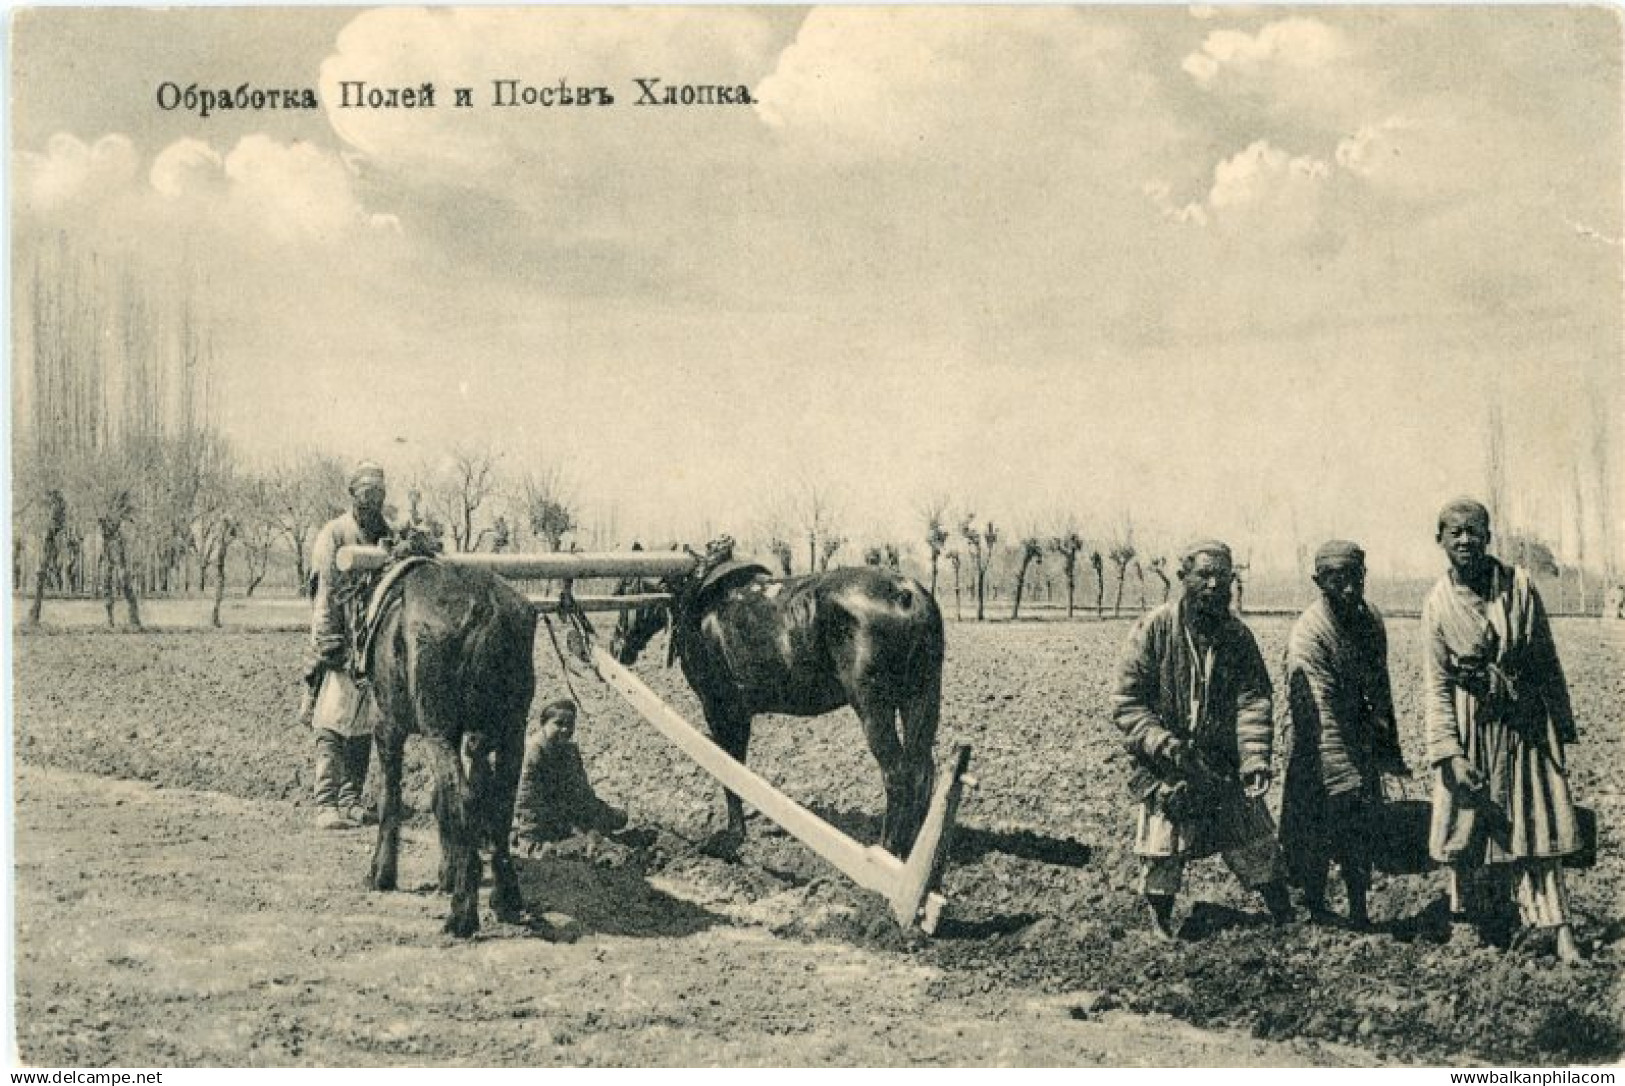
1257	272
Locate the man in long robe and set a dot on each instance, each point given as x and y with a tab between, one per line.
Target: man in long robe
1193	702
1343	733
342	719
1498	717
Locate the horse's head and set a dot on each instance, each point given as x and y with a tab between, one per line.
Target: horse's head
687	591
635	628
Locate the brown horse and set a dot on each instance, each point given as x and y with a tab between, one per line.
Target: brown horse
750	643
452	662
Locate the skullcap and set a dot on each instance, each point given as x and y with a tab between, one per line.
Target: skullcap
1465	507
1337	553
364	473
1190	552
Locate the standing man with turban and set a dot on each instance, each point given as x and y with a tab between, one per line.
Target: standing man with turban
344	729
1498	717
1343	733
1193	702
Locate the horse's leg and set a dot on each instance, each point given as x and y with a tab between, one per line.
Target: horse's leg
920	713
459	835
730	730
386	853
879	716
500	762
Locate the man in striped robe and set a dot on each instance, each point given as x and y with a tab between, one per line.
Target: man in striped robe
1498	719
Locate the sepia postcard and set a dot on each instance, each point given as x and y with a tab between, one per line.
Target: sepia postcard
920	536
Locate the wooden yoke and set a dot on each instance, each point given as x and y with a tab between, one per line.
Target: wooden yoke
909	887
561	566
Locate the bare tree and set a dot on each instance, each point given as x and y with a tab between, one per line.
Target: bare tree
1031	551
828	547
1121	554
548	506
934	513
463	481
1495	464
981	543
308	491
812	511
953	560
228	533
781	550
1068	544
257	529
56	516
1099	566
1159	566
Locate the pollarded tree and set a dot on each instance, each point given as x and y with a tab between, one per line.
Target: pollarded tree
1068	545
1121	555
1099	566
1031	551
1159	566
936	534
981	543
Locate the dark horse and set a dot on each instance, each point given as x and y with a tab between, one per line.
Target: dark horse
453	663
750	643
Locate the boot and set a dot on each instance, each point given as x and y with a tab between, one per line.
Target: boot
330	813
357	755
1359	917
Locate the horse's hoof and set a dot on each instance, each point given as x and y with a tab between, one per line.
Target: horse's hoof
462	926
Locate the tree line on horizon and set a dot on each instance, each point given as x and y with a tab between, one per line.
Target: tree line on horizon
123	487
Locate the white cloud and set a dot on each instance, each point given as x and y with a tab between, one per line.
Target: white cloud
922	83
187	168
1279	194
1370	150
1264	175
1295	44
192	194
70	172
291	191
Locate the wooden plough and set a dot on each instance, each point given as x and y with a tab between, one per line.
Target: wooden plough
909	886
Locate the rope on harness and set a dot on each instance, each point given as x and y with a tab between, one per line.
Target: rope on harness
579	636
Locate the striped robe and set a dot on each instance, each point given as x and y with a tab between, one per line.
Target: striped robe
1495	695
